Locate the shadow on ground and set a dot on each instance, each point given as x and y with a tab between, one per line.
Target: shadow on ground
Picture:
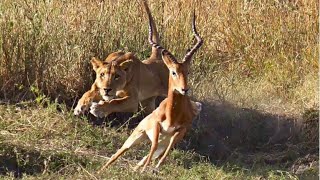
247	137
225	133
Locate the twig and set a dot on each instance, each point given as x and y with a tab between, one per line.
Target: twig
94	177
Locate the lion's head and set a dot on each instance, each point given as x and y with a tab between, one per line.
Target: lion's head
112	74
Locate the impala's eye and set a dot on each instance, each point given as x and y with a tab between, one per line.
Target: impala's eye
117	76
102	74
174	73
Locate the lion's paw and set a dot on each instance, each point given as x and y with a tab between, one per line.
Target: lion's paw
80	109
97	110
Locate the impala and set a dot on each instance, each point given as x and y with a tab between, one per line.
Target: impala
168	123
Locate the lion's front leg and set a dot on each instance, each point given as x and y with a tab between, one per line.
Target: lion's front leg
104	108
85	101
149	105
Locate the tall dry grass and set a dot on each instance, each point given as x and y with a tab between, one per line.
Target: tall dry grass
260	54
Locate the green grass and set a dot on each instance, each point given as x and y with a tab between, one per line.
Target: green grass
45	143
257	54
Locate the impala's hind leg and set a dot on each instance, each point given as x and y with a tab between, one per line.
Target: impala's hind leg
153	135
159	152
136	137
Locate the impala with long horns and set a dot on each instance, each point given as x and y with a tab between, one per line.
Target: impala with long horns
168	123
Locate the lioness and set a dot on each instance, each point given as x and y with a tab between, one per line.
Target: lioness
126	81
123	81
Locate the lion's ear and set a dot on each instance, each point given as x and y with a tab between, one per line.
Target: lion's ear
96	63
125	65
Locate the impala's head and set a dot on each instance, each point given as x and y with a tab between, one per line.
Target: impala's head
112	74
178	71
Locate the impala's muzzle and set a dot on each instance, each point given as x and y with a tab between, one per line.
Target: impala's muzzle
183	91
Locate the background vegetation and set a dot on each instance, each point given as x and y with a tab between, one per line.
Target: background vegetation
256	75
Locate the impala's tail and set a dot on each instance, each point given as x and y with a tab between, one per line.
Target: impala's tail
156	53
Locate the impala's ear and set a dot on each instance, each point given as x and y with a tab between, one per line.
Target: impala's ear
167	58
96	63
125	65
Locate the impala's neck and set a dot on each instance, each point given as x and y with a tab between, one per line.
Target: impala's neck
175	104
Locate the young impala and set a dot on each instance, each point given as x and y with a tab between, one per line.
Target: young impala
167	124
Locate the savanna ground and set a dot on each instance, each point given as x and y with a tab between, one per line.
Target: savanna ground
256	75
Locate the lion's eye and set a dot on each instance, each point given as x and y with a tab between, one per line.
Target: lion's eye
117	76
102	74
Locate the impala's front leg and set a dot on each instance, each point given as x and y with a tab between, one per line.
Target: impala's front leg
104	108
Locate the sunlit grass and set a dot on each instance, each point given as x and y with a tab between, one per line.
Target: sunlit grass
270	46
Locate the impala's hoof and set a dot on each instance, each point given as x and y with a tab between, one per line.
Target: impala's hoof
136	168
155	171
199	106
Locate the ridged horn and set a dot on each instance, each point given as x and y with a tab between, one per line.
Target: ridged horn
188	56
158	46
